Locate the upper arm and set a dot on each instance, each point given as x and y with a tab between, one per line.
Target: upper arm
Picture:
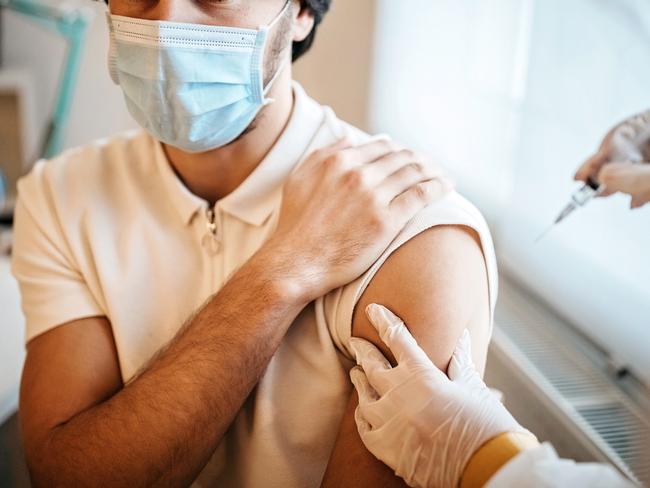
71	362
437	283
68	369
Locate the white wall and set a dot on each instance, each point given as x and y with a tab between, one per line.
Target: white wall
513	95
336	70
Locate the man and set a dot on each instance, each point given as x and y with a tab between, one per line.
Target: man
190	289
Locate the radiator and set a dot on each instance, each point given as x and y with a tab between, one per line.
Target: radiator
557	380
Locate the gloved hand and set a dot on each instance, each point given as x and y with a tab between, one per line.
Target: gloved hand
616	164
421	423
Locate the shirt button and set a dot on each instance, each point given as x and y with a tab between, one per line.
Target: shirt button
211	243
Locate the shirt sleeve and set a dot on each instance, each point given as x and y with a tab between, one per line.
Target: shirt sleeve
53	291
338	305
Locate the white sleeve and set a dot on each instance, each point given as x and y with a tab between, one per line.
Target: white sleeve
53	290
338	305
541	467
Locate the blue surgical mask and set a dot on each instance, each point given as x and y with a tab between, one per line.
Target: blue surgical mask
196	87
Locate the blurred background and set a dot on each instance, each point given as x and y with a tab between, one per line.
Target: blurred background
510	96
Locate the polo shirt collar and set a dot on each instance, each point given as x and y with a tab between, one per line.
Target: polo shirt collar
186	203
260	193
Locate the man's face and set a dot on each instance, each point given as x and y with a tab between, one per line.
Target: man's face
232	13
291	24
250	14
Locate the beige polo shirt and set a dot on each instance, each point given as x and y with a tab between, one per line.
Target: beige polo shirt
108	229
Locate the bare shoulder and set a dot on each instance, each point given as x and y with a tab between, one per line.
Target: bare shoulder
437	283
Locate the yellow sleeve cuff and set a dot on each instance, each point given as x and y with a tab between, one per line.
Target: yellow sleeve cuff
492	455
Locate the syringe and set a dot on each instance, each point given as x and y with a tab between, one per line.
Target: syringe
579	199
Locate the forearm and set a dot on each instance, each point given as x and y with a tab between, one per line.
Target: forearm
163	426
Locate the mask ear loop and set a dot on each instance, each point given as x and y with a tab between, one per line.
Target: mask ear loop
272	80
277	17
112	51
264	30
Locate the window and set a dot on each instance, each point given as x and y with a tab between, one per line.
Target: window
512	96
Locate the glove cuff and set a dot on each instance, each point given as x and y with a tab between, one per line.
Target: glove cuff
491	456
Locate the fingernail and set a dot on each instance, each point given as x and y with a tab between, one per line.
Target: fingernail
376	314
369	310
354	372
383	314
466	334
383	136
465	345
355	349
635	205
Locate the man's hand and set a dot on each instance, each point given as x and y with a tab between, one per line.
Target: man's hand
345	204
414	418
617	164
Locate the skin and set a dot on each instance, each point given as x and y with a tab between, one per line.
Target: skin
214	174
83	426
437	298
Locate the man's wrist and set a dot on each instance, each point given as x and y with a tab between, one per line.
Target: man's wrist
284	276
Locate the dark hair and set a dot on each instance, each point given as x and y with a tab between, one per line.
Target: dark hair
318	8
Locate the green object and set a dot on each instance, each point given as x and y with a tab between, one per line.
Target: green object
72	24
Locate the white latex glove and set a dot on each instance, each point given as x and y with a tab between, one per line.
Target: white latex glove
617	164
414	418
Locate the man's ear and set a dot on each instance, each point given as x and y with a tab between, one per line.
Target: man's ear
303	21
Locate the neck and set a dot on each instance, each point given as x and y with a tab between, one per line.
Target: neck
214	174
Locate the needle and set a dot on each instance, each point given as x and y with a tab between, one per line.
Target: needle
578	199
563	215
546	231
